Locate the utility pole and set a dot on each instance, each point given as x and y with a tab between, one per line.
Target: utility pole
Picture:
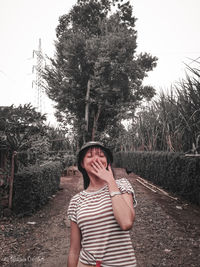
40	94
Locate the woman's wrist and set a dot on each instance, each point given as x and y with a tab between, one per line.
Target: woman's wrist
112	185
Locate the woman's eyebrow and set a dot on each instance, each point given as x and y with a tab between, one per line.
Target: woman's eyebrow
98	150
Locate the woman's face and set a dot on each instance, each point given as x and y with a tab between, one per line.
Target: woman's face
93	154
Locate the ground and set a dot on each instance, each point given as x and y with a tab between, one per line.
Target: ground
166	231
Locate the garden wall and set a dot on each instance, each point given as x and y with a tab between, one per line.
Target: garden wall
174	172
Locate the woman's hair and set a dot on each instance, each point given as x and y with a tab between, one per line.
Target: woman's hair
86	178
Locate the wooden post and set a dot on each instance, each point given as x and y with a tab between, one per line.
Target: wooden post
11	179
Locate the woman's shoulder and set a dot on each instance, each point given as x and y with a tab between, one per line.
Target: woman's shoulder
124	185
122	181
76	197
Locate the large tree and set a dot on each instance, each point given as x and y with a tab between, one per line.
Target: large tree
96	77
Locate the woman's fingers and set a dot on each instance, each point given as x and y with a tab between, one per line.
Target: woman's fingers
94	166
100	164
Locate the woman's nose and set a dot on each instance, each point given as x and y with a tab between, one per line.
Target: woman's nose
95	157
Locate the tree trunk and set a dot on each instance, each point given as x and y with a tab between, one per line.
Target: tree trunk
96	117
87	104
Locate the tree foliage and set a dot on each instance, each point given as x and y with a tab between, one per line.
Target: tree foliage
23	130
96	76
17	124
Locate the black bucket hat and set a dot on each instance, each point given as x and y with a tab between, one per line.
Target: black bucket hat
93	144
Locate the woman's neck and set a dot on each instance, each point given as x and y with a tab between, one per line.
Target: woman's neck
95	183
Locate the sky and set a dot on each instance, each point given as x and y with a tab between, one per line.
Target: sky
168	30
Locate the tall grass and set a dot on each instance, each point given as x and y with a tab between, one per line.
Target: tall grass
172	122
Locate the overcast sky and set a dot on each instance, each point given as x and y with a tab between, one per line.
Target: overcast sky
166	29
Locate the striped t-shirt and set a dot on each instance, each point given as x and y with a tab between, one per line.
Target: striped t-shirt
102	238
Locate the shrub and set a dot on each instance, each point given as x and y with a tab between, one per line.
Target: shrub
69	160
34	185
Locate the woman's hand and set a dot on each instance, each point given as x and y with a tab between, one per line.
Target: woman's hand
101	172
122	204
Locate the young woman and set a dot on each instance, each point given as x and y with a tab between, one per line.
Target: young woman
102	214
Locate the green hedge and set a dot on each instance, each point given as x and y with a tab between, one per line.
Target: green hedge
34	185
173	171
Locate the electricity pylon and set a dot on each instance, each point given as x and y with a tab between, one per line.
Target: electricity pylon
40	94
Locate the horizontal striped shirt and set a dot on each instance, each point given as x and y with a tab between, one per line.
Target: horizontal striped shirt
102	238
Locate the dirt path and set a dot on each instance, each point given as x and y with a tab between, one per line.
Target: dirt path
166	232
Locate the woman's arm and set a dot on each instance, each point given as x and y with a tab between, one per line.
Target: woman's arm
122	204
75	245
